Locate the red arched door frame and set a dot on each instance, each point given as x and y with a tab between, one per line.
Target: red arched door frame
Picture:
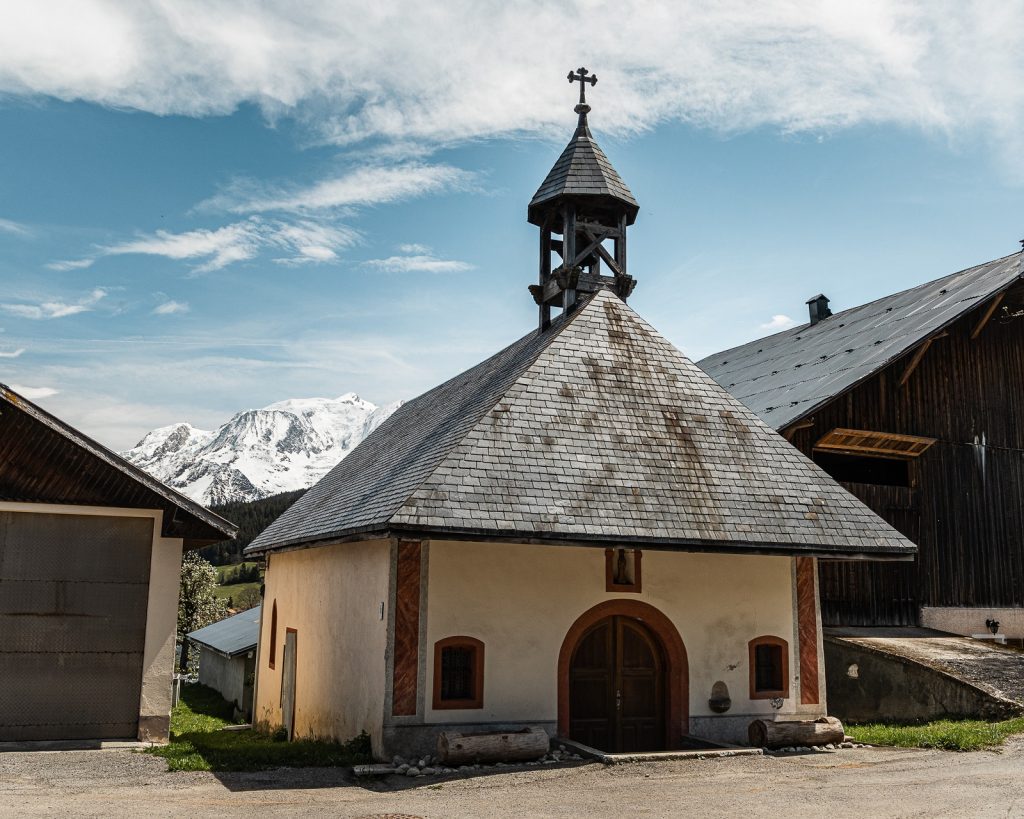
677	711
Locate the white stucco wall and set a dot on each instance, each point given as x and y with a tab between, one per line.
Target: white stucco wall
521	600
223	674
332	597
970	621
161	614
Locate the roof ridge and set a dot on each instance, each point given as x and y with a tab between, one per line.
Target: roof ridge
831	319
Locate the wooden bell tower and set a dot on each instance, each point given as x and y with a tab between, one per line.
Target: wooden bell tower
584	201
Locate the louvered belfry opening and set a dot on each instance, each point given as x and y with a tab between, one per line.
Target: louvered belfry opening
583	209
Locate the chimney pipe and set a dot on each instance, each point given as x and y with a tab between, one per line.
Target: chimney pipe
818	308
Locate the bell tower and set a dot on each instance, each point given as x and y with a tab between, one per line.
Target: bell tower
584	201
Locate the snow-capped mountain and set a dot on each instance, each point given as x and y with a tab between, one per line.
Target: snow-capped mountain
285	446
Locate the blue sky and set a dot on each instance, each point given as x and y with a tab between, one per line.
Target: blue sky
210	207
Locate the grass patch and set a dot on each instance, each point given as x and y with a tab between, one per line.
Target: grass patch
231	568
198	743
234	591
945	734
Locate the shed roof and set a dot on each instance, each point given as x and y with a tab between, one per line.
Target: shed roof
44	460
789	375
582	170
233	635
594	431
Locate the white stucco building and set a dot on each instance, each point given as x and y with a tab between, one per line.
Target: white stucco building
583	532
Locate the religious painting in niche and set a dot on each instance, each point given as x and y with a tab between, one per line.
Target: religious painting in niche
769	668
622	570
458	673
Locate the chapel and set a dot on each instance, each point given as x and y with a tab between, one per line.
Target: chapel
584	532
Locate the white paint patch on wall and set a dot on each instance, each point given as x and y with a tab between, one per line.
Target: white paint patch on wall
331	596
520	600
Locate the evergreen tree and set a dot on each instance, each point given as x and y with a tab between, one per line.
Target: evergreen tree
198	605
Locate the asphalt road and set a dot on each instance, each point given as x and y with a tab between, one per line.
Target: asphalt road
865	782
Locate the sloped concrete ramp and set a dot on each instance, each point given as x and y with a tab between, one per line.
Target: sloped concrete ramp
907	674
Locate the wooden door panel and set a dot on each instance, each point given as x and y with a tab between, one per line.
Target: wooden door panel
616	688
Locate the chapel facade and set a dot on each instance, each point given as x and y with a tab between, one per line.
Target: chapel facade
583	532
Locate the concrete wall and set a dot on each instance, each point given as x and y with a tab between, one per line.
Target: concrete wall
520	600
161	616
332	597
871	686
970	621
223	674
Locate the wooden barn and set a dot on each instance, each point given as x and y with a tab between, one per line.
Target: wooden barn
914	403
583	533
90	557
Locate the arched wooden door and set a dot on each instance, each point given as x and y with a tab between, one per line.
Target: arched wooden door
617	688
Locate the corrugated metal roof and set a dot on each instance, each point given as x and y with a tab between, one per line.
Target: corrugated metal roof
595	431
44	460
582	170
790	374
233	635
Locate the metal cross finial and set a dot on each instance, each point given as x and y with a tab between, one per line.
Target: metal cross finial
580	76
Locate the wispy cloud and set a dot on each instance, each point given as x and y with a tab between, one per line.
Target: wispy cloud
70	264
302	242
34	393
12	353
778	322
54	309
169	308
375	185
417	259
15	228
797	65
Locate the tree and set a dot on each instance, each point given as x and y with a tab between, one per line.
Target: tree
198	605
248	597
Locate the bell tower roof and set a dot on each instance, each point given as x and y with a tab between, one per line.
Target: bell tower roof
583	171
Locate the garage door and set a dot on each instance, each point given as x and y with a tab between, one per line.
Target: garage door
73	599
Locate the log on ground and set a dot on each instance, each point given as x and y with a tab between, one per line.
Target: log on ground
765	733
456	748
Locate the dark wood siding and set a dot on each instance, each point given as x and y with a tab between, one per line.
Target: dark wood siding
965	505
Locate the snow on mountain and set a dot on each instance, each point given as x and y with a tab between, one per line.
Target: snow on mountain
285	446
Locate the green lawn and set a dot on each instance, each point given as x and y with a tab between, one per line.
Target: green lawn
230	567
234	590
949	735
198	742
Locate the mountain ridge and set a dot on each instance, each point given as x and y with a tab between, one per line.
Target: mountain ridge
282	447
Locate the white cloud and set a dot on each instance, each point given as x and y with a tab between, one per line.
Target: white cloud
70	264
412	72
54	309
303	241
169	308
418	263
34	393
375	185
779	322
414	248
16	228
12	353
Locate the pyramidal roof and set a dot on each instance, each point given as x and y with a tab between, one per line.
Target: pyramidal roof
594	431
583	170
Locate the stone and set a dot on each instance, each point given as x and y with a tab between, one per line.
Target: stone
428	771
397	761
413	772
377	769
403	768
846	745
422	763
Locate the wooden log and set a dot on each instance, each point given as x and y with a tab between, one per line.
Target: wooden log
456	748
766	733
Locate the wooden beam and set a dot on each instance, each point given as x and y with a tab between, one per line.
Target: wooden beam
918	355
792	430
604	254
988	314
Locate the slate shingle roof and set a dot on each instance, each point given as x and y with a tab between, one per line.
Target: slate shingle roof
594	431
582	170
789	375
